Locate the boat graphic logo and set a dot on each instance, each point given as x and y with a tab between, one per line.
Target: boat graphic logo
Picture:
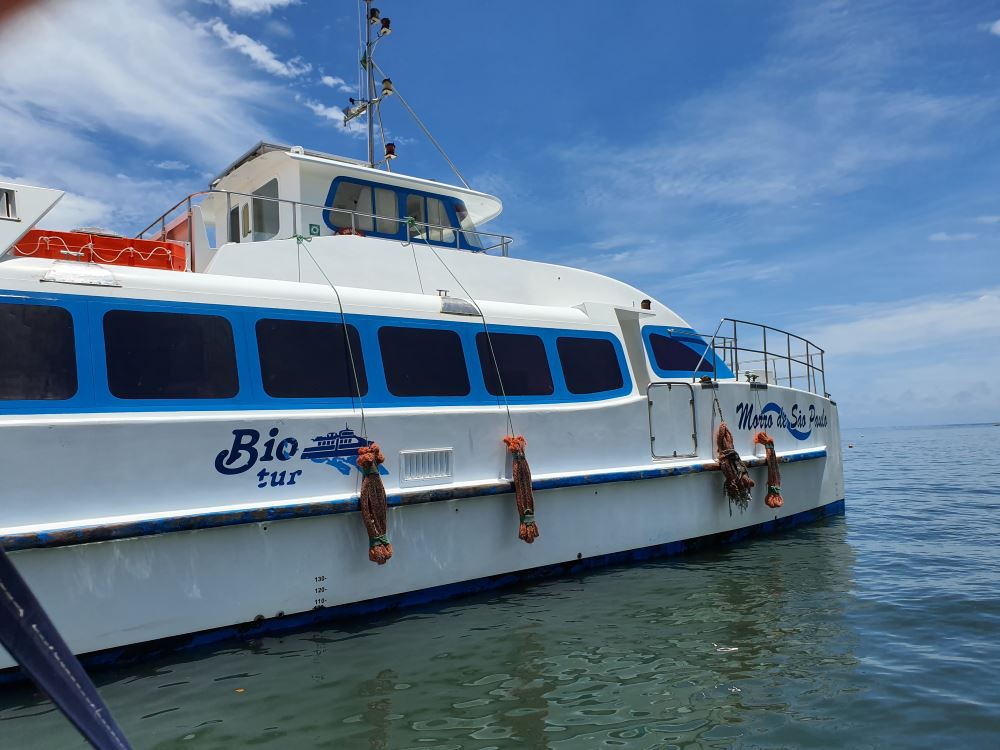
335	444
339	450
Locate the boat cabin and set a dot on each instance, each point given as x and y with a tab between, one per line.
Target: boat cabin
276	192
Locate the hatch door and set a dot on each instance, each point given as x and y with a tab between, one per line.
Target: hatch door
672	427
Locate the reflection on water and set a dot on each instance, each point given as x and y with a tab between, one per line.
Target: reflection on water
874	630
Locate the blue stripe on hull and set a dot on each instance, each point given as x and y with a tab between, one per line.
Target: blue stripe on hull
307	620
151	527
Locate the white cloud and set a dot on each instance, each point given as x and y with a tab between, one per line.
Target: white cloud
913	324
988	219
956	237
257	7
994	28
258	52
172	165
356	127
335	82
65	93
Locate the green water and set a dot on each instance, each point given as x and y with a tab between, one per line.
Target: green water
879	629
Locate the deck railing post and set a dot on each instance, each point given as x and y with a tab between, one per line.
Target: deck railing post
190	222
822	371
788	342
763	330
736	352
809	369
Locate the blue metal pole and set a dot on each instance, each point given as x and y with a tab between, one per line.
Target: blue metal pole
30	637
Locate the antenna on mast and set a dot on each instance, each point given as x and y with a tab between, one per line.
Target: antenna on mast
373	18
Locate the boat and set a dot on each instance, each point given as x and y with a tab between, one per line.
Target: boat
182	412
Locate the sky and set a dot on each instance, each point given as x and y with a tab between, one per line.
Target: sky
828	167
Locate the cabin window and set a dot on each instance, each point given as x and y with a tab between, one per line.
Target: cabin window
8	206
423	362
161	355
265	211
387	209
524	368
437	214
309	359
234	224
671	354
37	353
468	228
416	210
352	197
589	365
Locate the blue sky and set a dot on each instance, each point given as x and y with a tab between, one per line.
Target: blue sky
829	167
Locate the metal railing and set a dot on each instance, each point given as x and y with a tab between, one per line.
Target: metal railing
771	356
360	223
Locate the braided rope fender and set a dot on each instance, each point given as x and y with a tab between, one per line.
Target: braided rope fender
373	503
773	499
528	529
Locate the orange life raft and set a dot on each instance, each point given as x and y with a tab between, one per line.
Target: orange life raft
166	255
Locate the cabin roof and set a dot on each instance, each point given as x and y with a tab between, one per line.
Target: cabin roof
482	207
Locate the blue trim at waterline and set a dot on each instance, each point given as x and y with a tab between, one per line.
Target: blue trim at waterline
216	519
306	620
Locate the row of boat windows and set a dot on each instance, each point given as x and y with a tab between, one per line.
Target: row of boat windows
166	355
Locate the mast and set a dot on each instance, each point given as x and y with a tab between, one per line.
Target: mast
370	69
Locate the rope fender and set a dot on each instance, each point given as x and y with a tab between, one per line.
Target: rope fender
528	530
373	503
738	482
773	498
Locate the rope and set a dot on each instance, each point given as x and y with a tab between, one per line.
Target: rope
486	330
421	124
773	498
738	482
300	240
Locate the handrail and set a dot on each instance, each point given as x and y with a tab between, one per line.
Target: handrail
814	375
472	236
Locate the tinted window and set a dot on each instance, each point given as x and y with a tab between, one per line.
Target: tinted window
354	199
37	353
671	354
234	224
386	207
423	362
589	365
265	212
415	210
169	355
524	368
437	214
306	359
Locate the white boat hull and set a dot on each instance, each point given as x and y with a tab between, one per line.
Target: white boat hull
161	583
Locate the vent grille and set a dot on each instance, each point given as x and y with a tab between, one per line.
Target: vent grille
426	465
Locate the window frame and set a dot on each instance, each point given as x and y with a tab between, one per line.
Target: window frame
81	356
100	307
472	382
360	359
686	336
401	195
623	370
483	361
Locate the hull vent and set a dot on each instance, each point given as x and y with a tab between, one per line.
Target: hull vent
426	466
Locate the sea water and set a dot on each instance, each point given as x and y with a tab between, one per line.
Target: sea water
877	629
